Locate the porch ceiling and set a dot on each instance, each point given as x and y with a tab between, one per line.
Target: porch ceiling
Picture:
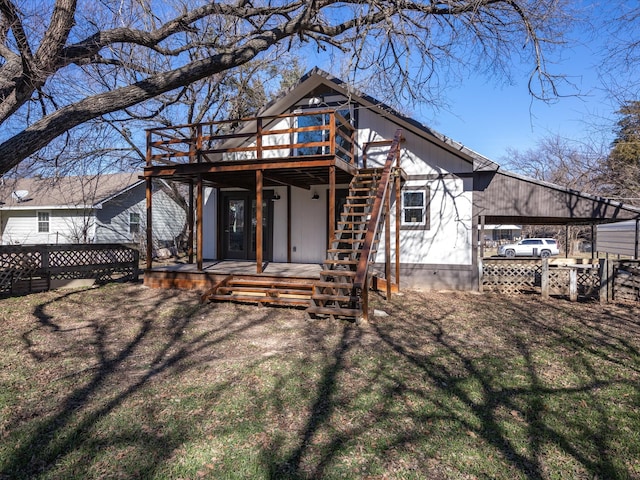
302	173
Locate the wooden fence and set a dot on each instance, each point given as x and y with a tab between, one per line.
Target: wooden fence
608	280
34	268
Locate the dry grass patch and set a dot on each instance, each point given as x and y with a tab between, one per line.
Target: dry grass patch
127	382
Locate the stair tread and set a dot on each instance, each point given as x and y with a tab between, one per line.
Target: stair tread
341	261
322	284
340	311
268	283
260	299
327	297
338	273
286	291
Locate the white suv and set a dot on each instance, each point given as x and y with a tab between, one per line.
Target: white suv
530	247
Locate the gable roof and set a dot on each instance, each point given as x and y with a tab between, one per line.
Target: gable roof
317	77
89	191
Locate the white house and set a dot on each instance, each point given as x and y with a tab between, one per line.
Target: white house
306	158
108	208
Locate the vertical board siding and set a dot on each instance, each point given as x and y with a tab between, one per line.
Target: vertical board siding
308	225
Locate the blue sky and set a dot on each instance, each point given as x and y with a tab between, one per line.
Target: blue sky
490	116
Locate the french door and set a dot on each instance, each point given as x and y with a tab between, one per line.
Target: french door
239	225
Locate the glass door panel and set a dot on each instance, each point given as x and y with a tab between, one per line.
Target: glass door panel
234	228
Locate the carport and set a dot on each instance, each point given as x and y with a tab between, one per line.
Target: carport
508	198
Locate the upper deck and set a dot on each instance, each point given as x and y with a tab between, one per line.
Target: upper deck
295	148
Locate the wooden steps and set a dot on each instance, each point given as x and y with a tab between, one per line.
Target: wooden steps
335	295
262	290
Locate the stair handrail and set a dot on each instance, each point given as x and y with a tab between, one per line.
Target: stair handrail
362	269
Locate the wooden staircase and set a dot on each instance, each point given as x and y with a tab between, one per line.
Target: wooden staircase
341	291
335	294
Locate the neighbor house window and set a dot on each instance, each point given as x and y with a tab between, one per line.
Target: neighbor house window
134	222
415	208
43	222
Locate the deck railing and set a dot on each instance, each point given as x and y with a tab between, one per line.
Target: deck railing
298	134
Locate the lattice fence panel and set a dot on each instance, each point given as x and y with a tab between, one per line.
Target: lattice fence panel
558	281
18	265
103	264
589	283
511	278
626	285
25	269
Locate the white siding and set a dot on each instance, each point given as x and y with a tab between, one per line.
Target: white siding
448	240
209	222
65	226
308	225
280	226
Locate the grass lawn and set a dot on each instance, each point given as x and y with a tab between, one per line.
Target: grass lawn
126	382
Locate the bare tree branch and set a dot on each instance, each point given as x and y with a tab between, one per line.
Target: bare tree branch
133	60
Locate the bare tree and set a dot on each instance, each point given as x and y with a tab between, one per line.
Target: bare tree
62	67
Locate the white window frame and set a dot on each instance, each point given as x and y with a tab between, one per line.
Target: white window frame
424	223
131	223
46	222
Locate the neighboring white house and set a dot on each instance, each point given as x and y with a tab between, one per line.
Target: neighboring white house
86	209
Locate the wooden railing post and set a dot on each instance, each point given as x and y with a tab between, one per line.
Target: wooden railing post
332	133
148	155
605	280
544	278
258	138
199	143
573	284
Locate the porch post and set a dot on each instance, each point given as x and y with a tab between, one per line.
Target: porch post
636	247
288	223
332	204
259	233
398	223
481	236
566	241
199	215
190	223
387	242
149	191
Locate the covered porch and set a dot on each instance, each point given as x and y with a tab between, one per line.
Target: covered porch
305	152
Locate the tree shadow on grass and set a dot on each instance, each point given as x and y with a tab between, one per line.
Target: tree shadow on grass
124	360
474	380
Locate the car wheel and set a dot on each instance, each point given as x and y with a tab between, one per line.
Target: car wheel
510	253
545	253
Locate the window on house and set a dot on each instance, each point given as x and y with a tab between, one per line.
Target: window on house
134	222
415	209
43	222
